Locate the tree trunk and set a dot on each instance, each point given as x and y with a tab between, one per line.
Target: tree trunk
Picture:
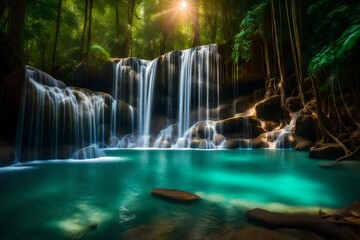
294	25
268	84
56	36
12	76
89	32
16	23
196	24
279	60
82	57
117	40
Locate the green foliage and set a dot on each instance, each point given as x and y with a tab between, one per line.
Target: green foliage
251	26
340	33
97	56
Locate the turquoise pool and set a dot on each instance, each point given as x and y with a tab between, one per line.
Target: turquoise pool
60	199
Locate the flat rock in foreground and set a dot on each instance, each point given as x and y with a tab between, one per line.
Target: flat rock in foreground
175	195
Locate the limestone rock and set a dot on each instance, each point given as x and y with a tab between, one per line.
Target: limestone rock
355	139
198	143
44	78
293	103
329	151
7	155
218	139
269	109
175	195
237	143
292	140
240	127
305	127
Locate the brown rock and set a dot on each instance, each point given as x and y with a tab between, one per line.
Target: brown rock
292	140
238	143
299	221
355	139
269	109
175	195
253	233
218	139
305	127
293	103
329	151
7	154
240	127
144	232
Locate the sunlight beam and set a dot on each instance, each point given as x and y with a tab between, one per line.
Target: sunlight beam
183	5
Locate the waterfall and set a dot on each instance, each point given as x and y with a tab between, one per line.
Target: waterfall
172	101
146	93
276	137
57	121
182	86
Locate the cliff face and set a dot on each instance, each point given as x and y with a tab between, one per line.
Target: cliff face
184	99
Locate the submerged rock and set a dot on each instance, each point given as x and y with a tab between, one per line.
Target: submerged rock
144	232
252	233
175	195
93	226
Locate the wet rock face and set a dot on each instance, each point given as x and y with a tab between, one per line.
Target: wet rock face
7	154
44	78
269	109
328	151
240	127
291	140
293	103
355	139
305	127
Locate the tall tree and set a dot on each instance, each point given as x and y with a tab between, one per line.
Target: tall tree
117	26
56	35
12	75
88	45
82	51
16	22
196	23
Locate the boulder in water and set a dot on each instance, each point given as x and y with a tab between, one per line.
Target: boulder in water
328	151
218	139
175	195
144	232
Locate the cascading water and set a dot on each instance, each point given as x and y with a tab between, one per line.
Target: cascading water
59	121
191	78
170	102
276	137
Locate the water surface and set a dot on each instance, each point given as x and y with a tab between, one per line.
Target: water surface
60	199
